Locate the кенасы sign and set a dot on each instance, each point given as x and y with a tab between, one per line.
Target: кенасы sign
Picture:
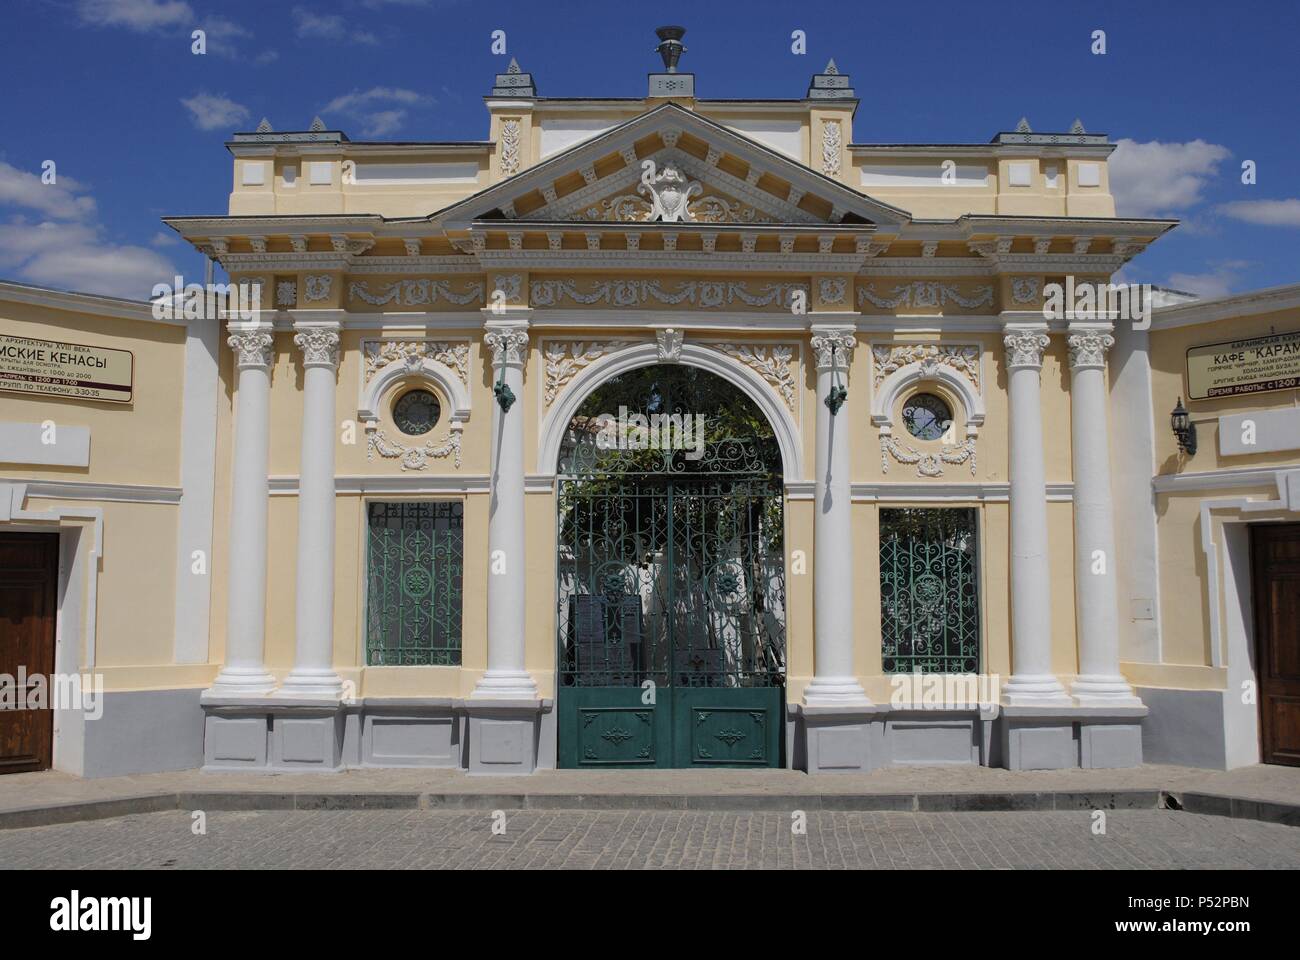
65	369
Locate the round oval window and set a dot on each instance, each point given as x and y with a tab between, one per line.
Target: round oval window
415	412
926	416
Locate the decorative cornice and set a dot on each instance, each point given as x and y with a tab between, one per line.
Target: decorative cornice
924	293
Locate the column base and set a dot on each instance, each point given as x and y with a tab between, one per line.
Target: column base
505	685
1035	690
312	683
835	692
1103	691
241	682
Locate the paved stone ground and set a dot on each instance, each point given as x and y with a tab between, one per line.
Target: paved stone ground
1260	782
391	839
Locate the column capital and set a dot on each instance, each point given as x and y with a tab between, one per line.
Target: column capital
508	341
1088	347
319	344
1025	346
833	345
252	346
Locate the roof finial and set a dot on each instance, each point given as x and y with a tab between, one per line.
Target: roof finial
1077	126
317	125
831	70
670	46
514	66
1023	126
264	126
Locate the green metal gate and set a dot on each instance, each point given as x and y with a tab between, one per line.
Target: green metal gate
671	606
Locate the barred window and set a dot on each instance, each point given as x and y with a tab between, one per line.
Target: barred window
416	583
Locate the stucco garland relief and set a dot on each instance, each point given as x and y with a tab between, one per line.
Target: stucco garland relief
565	359
412	457
414	292
832	289
630	208
924	293
964	359
630	293
286	294
927	464
379	354
1025	289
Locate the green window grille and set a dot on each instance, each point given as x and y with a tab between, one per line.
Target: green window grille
416	583
929	591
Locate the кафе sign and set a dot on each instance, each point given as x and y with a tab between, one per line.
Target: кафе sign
65	369
1244	366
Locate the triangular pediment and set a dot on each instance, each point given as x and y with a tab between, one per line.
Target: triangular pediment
747	181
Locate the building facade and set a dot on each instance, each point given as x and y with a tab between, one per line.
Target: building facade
663	432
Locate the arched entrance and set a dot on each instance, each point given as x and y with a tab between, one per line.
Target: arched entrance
671	576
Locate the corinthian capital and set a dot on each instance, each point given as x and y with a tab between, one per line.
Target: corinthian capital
319	346
1088	348
507	344
252	348
833	348
1025	348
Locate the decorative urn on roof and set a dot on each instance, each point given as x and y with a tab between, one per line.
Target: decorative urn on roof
670	46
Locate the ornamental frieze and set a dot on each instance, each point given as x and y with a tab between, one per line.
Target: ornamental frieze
924	293
565	359
706	294
379	354
413	293
964	359
772	362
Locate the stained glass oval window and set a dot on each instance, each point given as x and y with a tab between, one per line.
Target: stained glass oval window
415	412
926	416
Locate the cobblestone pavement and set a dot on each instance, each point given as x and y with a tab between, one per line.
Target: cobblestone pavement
390	839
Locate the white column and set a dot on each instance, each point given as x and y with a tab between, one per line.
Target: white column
244	672
313	668
1096	604
833	682
506	678
1032	681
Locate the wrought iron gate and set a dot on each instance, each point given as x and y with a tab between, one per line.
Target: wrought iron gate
671	608
929	591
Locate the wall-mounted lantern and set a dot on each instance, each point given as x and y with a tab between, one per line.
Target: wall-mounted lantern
1184	429
838	393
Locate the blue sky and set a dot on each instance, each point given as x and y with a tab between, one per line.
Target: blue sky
135	123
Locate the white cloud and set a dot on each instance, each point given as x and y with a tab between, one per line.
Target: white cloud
213	111
62	245
142	16
164	238
1216	282
363	105
1264	213
1153	179
328	26
20	188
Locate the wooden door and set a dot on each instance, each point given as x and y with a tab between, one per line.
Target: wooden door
29	570
1275	575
